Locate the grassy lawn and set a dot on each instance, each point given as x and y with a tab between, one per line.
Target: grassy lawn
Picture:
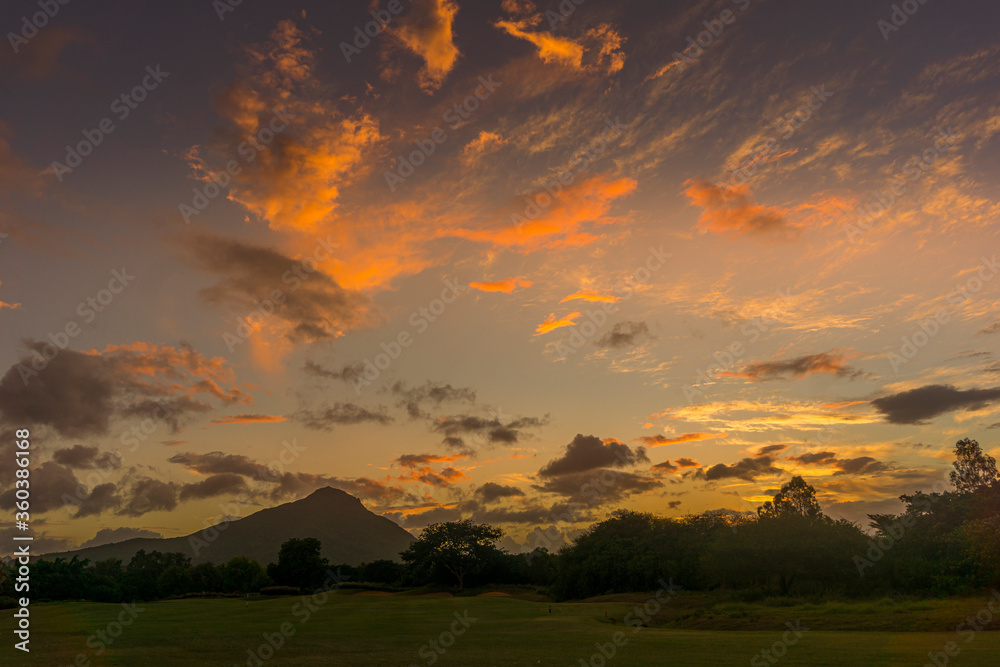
392	630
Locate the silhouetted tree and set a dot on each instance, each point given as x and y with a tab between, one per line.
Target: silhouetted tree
300	564
459	548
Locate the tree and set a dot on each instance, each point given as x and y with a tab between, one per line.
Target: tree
973	468
300	564
381	571
243	575
459	548
796	498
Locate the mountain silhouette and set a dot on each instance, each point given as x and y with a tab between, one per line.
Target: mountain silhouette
349	532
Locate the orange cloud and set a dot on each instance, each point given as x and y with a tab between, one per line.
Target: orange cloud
554	222
731	208
660	440
590	295
506	286
294	145
551	49
428	33
417	460
486	142
250	419
552	323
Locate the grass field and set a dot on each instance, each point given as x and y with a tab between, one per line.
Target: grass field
399	629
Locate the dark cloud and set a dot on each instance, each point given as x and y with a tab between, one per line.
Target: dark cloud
588	452
419	460
81	456
666	466
348	373
771	449
917	406
218	463
51	484
482	430
674	504
748	469
100	499
786	369
315	306
991	329
430	392
216	485
340	414
491	492
687	463
624	334
863	465
149	495
112	535
598	487
78	394
810	458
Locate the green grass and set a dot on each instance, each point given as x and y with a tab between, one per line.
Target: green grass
391	629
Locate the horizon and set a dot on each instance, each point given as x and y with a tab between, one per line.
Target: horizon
500	261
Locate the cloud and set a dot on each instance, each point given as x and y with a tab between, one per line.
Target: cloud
771	449
492	492
624	334
674	504
483	430
340	414
507	286
249	419
413	398
599	486
100	499
552	322
313	305
659	440
862	465
917	406
78	393
590	295
427	31
678	464
348	373
485	143
748	469
112	535
295	181
149	495
216	485
50	482
991	329
588	452
731	208
810	458
216	463
420	460
40	57
797	367
599	49
80	456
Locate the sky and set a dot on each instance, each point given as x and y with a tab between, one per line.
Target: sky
520	262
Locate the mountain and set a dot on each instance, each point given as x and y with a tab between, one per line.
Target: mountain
350	534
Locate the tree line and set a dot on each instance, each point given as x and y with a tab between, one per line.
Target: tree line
942	543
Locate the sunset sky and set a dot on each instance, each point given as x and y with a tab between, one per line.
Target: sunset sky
521	262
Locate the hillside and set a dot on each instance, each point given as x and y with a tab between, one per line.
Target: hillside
349	532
